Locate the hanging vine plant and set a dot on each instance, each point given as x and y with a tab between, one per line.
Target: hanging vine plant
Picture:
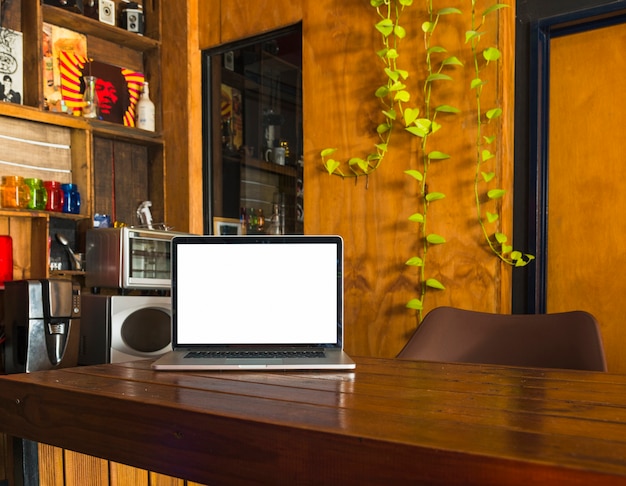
486	144
399	110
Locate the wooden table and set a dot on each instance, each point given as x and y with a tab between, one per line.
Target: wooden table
388	422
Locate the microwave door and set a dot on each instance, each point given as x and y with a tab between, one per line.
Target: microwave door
149	262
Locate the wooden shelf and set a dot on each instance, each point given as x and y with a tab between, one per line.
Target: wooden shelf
89	26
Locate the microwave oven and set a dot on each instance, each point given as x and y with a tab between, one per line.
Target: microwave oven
128	258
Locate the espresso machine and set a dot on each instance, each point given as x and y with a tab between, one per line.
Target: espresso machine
42	324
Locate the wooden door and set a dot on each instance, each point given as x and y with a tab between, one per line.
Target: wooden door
586	250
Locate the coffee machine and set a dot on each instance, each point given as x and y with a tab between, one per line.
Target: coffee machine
42	324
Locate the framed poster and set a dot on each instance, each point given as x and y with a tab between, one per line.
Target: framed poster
11	62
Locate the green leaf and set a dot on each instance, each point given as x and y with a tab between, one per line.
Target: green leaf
397	86
406	3
399	31
506	249
471	35
403	96
486	155
490	139
435	196
403	73
328	151
491	54
410	115
416	218
435	284
494	113
385	27
356	161
331	165
493	8
492	218
415	174
391	114
487	176
391	74
434	239
434	49
451	61
382	53
448	11
447	109
376	3
382	92
415	304
415	262
436	155
428	27
496	193
501	238
418	132
476	82
382	128
516	255
381	146
392	54
438	77
434	127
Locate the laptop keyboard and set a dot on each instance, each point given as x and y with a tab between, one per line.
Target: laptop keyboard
257	354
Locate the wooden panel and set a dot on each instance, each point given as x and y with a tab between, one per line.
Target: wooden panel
35	150
51	466
81	469
339	73
122	475
586	200
121	179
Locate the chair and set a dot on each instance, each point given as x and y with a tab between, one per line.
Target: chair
567	340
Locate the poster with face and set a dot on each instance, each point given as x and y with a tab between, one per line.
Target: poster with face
118	90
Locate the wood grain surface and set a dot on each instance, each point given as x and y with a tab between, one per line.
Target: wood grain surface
388	422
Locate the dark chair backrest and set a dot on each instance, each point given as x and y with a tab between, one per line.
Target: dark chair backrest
566	340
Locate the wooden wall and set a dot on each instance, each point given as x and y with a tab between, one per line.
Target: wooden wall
340	74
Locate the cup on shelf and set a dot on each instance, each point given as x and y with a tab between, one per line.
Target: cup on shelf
38	194
15	193
54	201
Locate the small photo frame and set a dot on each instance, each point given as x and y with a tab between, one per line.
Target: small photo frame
227	227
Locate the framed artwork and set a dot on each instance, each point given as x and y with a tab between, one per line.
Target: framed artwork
118	90
232	116
227	226
11	62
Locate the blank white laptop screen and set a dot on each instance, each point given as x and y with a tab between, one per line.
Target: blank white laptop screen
257	294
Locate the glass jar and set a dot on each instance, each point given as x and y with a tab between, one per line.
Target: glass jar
15	193
38	194
71	198
90	97
55	196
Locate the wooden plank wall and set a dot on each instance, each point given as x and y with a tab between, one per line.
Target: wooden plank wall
340	74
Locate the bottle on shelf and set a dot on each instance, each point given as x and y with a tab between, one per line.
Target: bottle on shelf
145	110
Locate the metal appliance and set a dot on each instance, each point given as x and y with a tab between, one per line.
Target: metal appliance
128	258
42	324
118	328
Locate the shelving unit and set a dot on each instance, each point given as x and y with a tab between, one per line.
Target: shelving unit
114	156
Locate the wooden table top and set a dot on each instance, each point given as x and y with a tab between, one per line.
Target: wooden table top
387	422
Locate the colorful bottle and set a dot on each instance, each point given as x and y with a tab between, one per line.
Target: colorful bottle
15	193
38	194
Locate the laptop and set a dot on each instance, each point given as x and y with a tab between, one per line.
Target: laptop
256	303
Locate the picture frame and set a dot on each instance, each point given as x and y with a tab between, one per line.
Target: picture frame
227	226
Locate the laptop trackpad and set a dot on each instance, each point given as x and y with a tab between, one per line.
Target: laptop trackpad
254	361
